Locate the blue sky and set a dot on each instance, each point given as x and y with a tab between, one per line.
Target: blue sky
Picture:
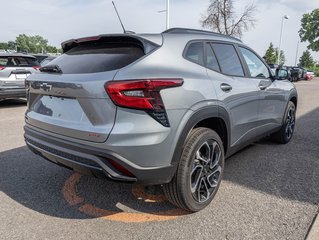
59	20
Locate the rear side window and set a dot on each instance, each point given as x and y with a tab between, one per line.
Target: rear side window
228	59
93	58
18	62
195	53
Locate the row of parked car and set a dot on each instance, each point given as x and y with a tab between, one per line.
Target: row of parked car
295	73
15	68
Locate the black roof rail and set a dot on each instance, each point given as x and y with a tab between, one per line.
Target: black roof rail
197	31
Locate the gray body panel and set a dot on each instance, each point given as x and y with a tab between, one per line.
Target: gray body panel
248	112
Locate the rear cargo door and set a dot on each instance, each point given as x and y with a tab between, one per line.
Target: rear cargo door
69	99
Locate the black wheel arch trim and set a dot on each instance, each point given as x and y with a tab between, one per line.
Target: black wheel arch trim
198	116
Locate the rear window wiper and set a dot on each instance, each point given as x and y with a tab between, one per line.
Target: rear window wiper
51	69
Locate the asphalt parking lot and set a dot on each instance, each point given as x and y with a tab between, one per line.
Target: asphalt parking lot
269	191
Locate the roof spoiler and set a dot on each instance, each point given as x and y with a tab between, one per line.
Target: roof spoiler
112	38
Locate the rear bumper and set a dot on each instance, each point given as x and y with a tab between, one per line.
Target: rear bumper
93	161
12	93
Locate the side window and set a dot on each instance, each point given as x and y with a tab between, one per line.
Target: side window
195	53
211	59
256	67
228	59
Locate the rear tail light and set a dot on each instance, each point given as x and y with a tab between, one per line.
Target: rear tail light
143	95
2	67
37	67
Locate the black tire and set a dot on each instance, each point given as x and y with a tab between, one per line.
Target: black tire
192	174
284	135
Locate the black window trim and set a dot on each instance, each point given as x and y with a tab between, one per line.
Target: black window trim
239	54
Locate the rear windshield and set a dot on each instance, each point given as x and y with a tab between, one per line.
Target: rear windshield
100	57
18	62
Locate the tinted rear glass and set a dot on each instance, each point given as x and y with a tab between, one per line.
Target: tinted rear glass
195	53
98	58
18	62
228	59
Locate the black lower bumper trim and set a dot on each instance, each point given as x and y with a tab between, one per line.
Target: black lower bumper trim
92	161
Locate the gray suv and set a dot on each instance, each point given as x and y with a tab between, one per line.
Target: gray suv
14	69
157	109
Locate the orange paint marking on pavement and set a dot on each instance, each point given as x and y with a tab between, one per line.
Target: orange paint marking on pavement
69	190
70	195
129	217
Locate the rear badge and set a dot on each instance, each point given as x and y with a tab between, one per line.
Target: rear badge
46	87
94	135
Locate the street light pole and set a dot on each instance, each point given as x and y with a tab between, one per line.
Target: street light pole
282	29
167	14
297	52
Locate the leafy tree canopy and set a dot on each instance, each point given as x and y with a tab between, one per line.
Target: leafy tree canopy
310	29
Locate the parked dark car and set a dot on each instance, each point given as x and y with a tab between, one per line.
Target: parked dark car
47	60
296	74
40	57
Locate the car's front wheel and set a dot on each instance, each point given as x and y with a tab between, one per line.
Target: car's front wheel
199	172
284	135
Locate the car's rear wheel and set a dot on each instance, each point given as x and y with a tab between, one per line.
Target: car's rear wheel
284	135
199	171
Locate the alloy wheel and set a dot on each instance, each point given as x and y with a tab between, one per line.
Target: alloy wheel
290	122
206	171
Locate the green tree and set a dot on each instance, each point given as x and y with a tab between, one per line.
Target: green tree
31	44
310	29
270	55
11	45
3	45
222	18
306	60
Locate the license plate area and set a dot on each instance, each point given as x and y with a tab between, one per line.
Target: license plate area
21	76
67	109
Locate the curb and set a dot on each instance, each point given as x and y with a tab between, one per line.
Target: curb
314	230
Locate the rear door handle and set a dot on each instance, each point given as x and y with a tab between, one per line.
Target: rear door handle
226	87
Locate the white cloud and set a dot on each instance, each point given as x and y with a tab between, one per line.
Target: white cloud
59	20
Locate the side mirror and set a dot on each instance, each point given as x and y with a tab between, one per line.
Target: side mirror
281	74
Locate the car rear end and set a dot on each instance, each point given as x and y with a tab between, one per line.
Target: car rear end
82	116
14	69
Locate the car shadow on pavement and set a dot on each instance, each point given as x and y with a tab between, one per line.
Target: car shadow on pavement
9	103
285	171
52	190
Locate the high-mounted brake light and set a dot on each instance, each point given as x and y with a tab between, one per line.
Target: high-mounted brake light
87	39
2	67
143	95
